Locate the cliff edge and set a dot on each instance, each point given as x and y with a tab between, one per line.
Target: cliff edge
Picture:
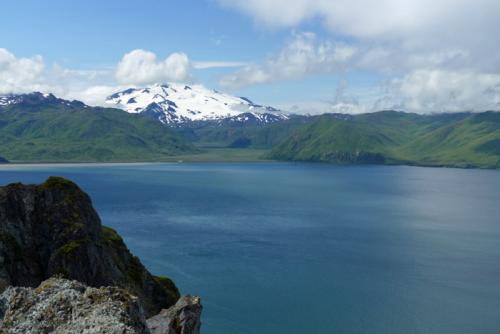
52	229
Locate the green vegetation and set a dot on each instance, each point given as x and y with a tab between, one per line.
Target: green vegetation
389	137
72	245
75	133
264	136
55	133
111	235
57	182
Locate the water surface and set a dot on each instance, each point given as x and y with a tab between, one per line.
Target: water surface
305	248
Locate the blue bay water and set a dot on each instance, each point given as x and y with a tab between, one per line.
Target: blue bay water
305	248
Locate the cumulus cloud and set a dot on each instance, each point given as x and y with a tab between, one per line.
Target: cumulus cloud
20	75
385	19
26	75
304	55
439	90
92	86
431	55
420	91
141	67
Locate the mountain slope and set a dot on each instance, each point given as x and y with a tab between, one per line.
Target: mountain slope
246	134
38	127
461	140
178	104
473	141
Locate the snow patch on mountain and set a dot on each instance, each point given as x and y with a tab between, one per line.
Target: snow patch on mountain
6	100
177	103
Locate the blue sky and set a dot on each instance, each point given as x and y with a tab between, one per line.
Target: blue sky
290	53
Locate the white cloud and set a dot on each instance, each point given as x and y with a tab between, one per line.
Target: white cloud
302	56
433	80
420	91
26	75
322	107
440	90
20	74
93	95
201	65
434	55
437	20
141	67
346	99
92	86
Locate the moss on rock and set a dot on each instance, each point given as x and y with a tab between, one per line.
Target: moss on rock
111	235
72	245
57	182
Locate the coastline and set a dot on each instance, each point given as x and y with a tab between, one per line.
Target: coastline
228	155
208	155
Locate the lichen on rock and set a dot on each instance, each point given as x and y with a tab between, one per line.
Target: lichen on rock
64	306
60	306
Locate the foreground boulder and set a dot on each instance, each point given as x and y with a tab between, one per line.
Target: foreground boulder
52	229
64	306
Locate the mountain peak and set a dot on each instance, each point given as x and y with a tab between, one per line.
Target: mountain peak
37	99
175	103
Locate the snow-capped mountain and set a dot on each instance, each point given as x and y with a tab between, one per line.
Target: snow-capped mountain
177	103
37	99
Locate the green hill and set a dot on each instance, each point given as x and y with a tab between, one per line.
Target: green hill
389	137
55	131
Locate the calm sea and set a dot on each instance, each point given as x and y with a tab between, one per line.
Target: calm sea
309	248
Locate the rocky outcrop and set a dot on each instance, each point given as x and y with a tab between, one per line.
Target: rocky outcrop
64	306
182	318
52	229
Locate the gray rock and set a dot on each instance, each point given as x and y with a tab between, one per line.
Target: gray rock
182	318
64	306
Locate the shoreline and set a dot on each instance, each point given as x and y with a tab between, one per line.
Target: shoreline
14	165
